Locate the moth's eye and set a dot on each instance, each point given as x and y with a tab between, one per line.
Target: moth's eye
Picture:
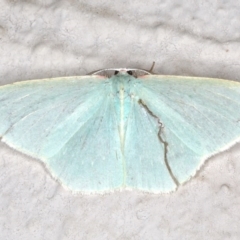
130	72
116	72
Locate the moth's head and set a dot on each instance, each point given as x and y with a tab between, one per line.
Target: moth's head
121	71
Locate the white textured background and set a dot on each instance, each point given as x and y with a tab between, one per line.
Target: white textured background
50	38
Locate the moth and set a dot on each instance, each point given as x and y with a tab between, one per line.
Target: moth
121	128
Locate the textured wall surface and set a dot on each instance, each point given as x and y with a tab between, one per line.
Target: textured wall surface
50	38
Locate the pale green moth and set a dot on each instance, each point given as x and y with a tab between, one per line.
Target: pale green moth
130	130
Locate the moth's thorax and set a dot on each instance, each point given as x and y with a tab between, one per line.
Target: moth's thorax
124	86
